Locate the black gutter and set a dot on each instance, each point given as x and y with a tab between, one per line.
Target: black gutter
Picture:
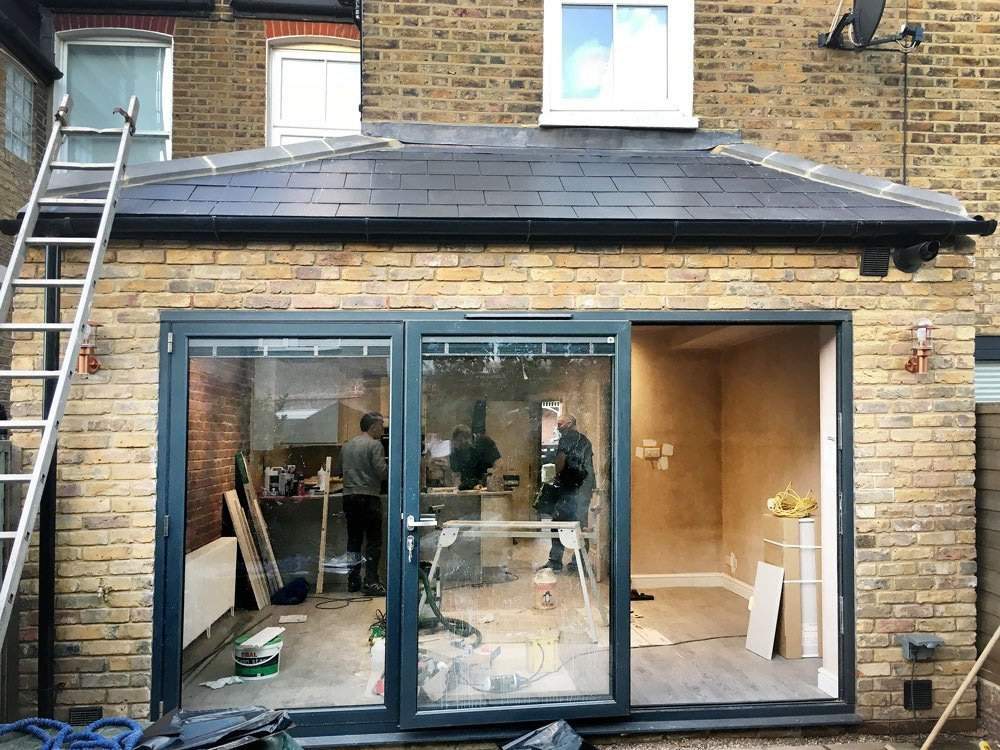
199	7
339	10
26	50
580	231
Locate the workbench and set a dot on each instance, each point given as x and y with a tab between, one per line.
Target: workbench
473	560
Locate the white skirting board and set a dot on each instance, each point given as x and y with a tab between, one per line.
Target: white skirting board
209	586
643	581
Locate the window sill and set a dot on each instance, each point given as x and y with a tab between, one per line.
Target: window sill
601	119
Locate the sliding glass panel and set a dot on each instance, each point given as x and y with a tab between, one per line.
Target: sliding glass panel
265	546
516	474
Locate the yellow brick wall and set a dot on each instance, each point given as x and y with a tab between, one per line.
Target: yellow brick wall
914	437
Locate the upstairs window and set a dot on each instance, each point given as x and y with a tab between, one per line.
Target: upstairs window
314	92
622	64
102	73
19	97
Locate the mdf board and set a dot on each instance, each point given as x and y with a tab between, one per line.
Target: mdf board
512	426
251	559
764	613
259	525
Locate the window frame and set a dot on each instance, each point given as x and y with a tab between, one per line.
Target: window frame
10	137
338	50
676	111
115	37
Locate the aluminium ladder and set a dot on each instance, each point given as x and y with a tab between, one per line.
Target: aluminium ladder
48	425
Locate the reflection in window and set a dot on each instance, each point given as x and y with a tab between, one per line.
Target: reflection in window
516	467
284	406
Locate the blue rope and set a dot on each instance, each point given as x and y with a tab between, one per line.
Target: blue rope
88	739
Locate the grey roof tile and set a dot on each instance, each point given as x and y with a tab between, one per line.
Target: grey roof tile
167	192
316	180
504	167
731	199
587	183
438	211
344	195
212	193
425	181
305	209
364	210
174	208
259	179
401	166
693	184
284	195
245	208
380	181
546	212
657	170
773	213
785	200
133	205
567	199
448	167
534	183
716	212
481	182
678	199
743	185
639	183
348	165
512	198
707	170
623	199
607	169
488	212
556	168
458	197
399	196
603	212
660	212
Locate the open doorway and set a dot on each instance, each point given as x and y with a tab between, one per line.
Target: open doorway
724	418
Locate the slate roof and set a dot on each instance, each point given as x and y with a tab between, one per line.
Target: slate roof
380	179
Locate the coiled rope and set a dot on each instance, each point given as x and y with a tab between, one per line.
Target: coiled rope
87	739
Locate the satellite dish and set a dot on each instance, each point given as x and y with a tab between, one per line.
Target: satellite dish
867	16
860	26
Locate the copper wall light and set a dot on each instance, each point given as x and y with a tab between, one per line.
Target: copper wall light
921	347
86	362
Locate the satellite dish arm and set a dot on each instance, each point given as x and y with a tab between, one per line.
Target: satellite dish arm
835	38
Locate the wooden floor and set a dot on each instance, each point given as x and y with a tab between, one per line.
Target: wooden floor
720	670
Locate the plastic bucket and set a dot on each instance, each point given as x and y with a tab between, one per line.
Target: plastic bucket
257	662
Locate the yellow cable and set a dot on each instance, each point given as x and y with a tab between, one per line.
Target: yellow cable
789	504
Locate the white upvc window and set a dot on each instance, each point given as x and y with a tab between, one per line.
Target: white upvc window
103	69
620	64
20	96
314	91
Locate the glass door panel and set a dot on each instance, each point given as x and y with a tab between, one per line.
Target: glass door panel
264	416
513	568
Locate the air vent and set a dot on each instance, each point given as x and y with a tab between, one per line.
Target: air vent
82	716
874	261
917	695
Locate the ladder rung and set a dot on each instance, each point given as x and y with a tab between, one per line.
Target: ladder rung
15	477
72	202
89	165
22	424
8	535
29	374
71	130
75	241
49	282
36	326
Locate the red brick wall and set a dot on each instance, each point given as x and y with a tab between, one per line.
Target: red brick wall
218	427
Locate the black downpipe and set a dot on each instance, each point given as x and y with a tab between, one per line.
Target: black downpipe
47	509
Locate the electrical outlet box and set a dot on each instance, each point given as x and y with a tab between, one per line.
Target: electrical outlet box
919	647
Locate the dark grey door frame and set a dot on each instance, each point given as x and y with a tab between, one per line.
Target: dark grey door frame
334	727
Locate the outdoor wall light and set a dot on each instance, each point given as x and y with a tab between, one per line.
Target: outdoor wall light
921	348
86	362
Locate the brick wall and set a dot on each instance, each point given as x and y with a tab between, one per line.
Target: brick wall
914	437
218	416
757	70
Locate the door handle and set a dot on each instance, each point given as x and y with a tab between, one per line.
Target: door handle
425	520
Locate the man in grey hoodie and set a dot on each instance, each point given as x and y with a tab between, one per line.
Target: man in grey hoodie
363	465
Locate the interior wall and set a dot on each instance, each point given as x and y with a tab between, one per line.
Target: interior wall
677	513
218	428
770	435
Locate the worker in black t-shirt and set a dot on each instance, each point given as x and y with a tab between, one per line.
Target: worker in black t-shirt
575	482
472	457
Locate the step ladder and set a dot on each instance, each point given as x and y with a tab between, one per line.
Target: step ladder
48	425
